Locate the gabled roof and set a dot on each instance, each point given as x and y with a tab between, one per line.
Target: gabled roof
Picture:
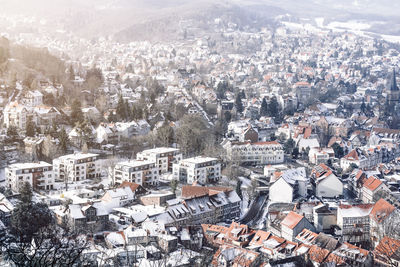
353	155
387	248
292	220
381	210
133	186
189	191
372	183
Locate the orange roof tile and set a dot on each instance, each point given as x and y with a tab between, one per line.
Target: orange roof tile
292	219
372	183
381	210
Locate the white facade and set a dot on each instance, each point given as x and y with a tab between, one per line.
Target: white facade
77	167
141	172
39	175
255	153
281	191
201	169
164	157
329	186
16	114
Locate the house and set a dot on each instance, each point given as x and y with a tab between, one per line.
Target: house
200	205
325	183
228	255
293	224
107	134
354	222
236	234
163	157
249	134
293	182
118	197
255	153
33	98
142	172
357	180
17	114
382	213
387	252
46	115
6	209
303	92
370	188
324	218
83	218
38	174
201	169
158	198
320	155
77	167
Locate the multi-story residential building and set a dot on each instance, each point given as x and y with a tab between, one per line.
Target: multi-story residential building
255	153
354	221
39	175
143	172
303	91
201	205
164	157
83	218
325	183
17	114
367	158
370	187
201	169
33	98
293	224
77	167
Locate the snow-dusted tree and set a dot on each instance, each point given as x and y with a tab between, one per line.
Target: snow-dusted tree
33	239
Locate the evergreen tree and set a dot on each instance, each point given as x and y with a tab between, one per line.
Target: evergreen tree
238	103
30	128
121	108
289	146
264	108
273	107
173	184
76	112
71	73
339	153
27	217
63	138
12	132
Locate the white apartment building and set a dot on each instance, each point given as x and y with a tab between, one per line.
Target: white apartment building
141	172
201	169
39	175
77	167
255	153
164	157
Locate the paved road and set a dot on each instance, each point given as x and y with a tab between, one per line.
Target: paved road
255	209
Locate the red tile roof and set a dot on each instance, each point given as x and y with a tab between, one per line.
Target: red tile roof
353	155
388	247
190	191
372	183
381	210
292	219
133	186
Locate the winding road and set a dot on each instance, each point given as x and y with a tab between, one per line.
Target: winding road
255	209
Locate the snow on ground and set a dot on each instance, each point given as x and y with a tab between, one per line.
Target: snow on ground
307	26
349	25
